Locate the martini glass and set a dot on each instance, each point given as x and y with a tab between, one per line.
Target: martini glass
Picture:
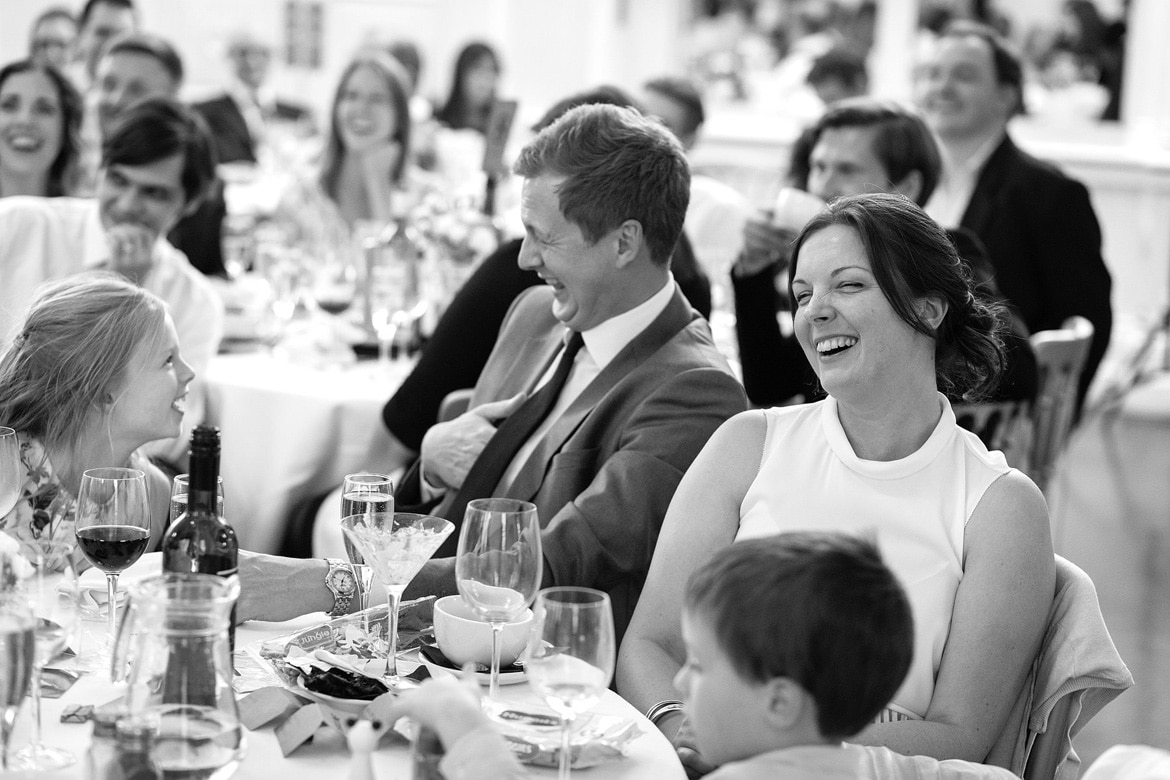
396	545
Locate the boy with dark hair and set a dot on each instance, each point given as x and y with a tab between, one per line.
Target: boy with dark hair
794	643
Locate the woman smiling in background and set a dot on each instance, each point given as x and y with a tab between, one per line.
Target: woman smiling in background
40	123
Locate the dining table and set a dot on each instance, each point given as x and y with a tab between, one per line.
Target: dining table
326	756
291	430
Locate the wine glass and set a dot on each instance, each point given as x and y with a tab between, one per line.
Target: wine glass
334	285
55	620
396	545
113	526
11	471
180	488
498	565
570	654
16	663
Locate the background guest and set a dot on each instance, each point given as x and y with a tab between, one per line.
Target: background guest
40	125
716	213
52	38
473	89
93	374
241	117
368	144
838	74
886	315
100	22
1039	227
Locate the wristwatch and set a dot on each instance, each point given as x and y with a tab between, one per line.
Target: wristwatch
341	581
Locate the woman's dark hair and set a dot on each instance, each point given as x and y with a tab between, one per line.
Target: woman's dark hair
912	258
396	80
457	113
64	169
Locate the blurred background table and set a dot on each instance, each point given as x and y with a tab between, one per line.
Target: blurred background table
291	431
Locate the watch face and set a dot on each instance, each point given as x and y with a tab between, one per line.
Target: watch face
342	581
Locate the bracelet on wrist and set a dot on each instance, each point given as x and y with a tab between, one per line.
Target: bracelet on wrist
663	708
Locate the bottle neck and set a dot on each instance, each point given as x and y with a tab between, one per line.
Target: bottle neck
203	480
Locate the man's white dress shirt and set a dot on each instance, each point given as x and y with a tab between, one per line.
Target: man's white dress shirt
957	182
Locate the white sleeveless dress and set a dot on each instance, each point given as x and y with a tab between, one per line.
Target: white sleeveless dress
916	508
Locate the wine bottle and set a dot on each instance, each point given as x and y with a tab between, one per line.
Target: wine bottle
201	541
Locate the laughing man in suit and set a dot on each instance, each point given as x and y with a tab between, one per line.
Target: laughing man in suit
603	203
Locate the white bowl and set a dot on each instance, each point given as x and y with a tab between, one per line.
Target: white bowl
463	636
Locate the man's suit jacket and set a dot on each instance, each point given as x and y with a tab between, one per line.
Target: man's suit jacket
233	142
604	474
1043	238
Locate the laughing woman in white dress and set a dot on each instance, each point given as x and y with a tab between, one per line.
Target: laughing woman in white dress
888	318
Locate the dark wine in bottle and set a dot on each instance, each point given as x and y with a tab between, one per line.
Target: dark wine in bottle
200	541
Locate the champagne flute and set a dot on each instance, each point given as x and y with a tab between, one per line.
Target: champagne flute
180	488
16	663
396	545
11	471
364	494
113	526
498	565
55	619
571	655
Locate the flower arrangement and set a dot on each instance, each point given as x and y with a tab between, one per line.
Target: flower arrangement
14	567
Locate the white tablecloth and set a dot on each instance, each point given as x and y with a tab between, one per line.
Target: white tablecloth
650	754
290	432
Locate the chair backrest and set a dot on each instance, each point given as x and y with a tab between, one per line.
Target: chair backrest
1060	357
1005	426
1076	673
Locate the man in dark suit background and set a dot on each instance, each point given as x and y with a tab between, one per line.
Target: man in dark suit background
1038	224
239	118
603	203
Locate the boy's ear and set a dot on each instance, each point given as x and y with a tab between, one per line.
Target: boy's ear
787	702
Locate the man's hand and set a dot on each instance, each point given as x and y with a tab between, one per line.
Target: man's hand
276	588
131	250
449	449
764	245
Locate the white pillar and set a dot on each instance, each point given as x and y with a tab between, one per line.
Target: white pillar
891	64
1145	107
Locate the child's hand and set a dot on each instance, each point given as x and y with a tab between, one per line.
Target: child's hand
688	753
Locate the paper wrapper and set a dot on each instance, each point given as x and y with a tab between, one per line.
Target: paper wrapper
355	642
535	737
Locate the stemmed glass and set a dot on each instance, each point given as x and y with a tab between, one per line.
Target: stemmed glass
571	655
396	545
113	526
55	620
364	494
11	473
16	663
334	285
498	565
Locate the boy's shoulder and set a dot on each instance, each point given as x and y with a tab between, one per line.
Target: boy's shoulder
830	762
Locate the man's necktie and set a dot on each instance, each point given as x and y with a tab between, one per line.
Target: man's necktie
501	449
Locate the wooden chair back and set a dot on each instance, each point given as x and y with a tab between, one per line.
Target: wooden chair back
1060	357
1005	426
